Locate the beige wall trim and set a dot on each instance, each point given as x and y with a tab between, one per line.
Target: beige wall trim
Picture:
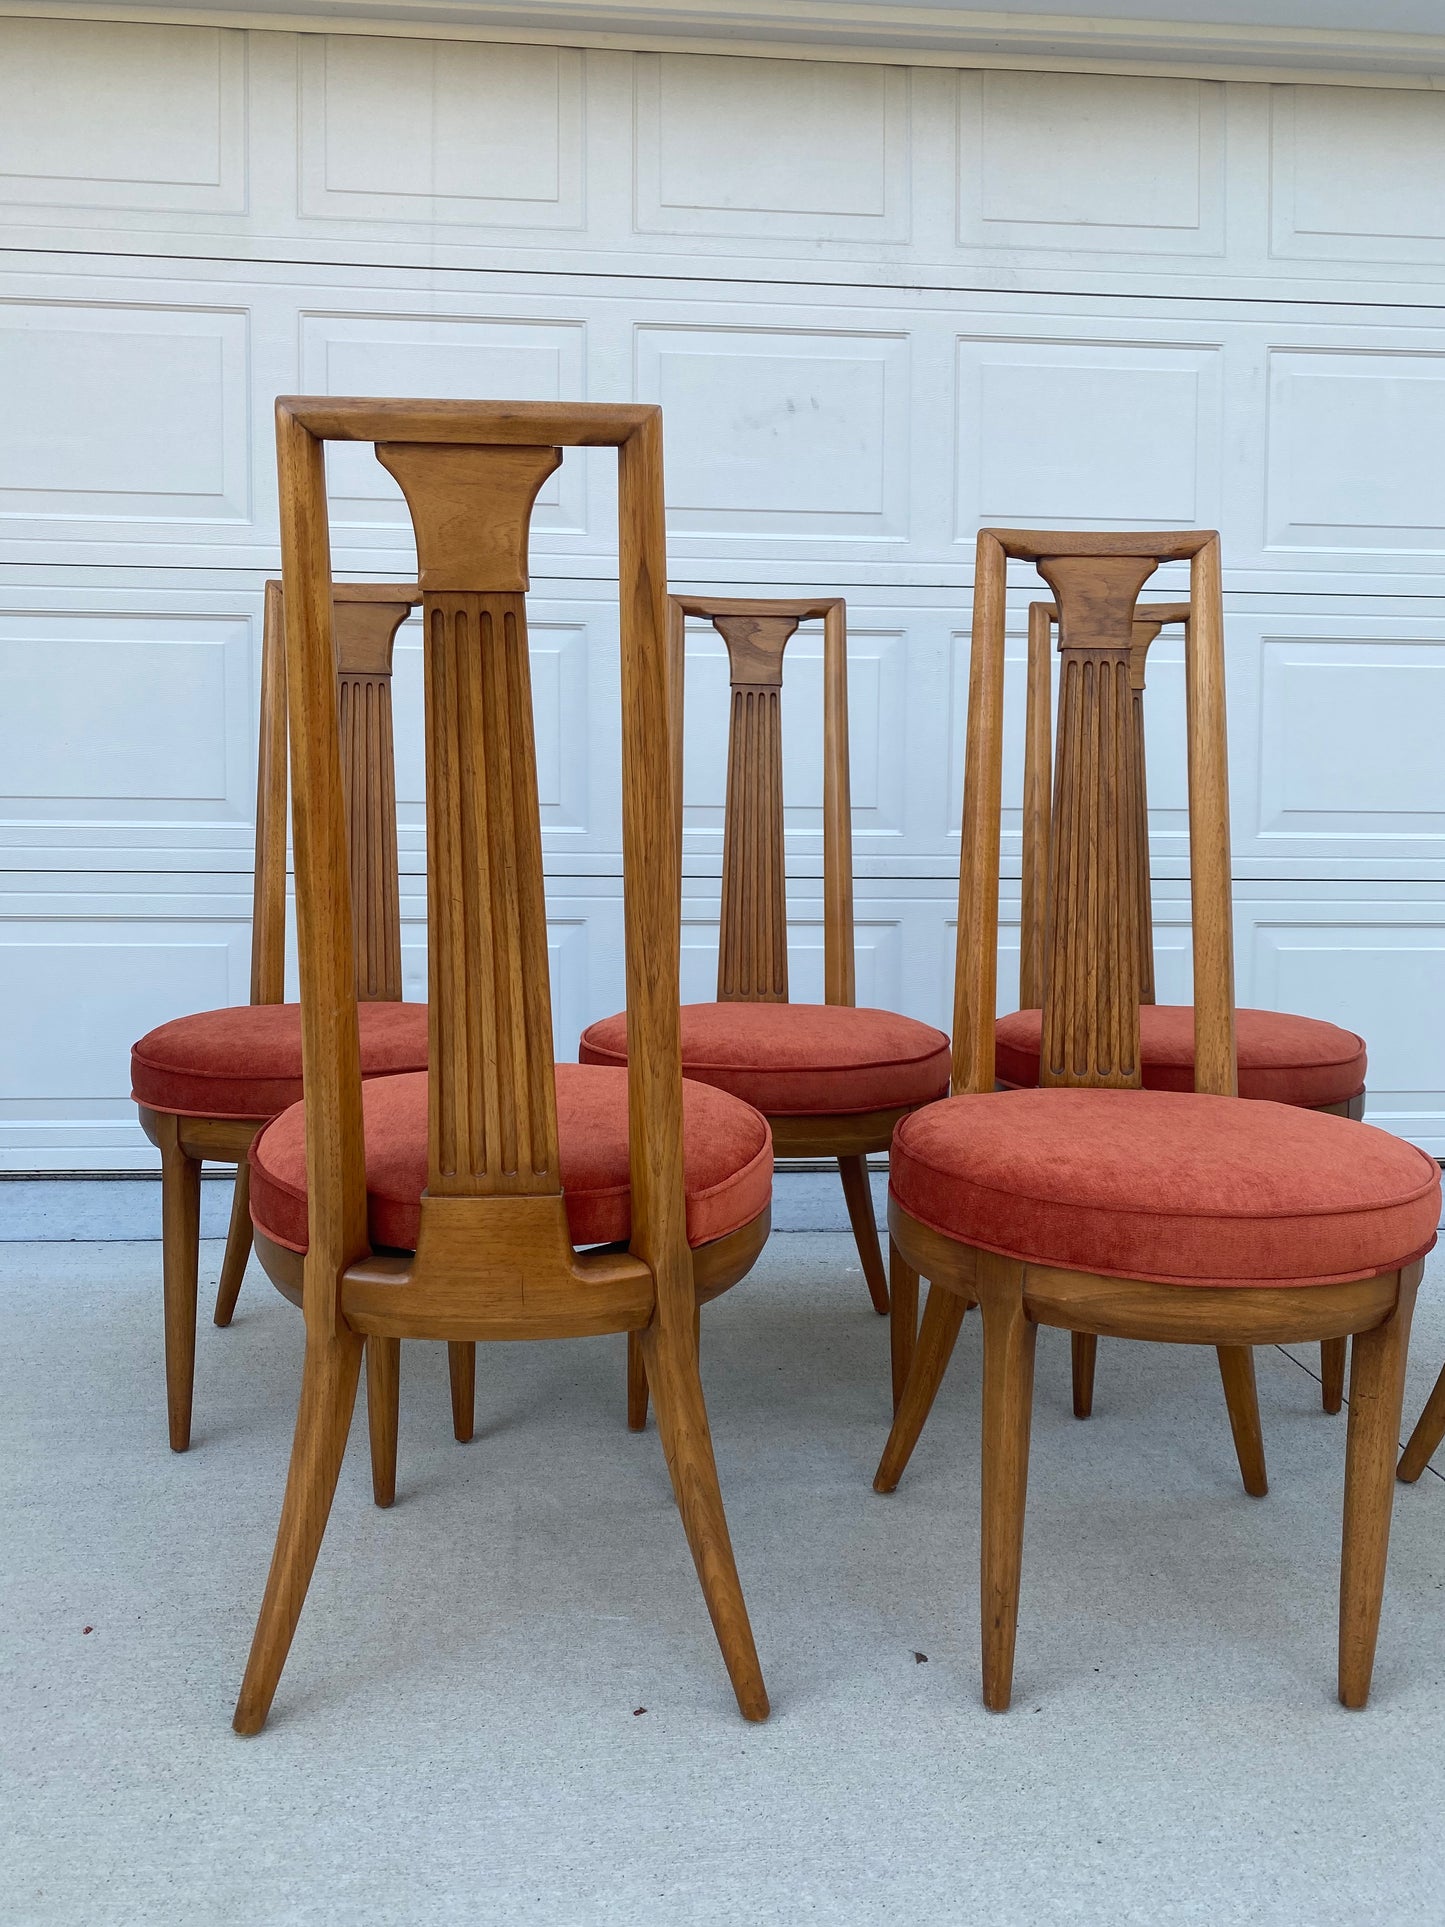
838	30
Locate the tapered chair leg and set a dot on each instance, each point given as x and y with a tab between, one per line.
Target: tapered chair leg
1377	1389
180	1258
636	1384
1008	1394
902	1318
937	1336
383	1403
1332	1373
1236	1368
323	1419
1428	1432
859	1194
1084	1353
462	1370
670	1358
238	1247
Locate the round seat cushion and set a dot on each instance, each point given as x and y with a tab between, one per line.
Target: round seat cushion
1167	1186
799	1060
727	1154
245	1062
1291	1060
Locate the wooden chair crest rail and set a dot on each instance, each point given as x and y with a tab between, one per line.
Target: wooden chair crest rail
206	1084
832	1080
467	1171
1289	1059
1097	1206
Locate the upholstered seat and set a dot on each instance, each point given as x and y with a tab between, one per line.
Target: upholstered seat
245	1062
1167	1186
799	1060
727	1159
1290	1060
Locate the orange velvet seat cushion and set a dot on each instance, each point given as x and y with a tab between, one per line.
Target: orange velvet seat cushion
727	1161
799	1060
245	1062
1292	1060
1167	1186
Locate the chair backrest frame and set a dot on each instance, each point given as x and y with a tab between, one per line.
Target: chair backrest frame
493	1250
366	620
1091	947
753	917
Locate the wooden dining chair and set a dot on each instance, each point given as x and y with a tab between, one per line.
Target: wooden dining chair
1097	1206
832	1079
453	1204
205	1084
1289	1059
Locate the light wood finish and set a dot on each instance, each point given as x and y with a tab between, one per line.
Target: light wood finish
238	1247
753	929
1091	1044
1091	946
493	1258
1148	621
1083	1351
1236	1369
462	1372
367	617
1429	1429
903	1317
858	1195
180	1235
1377	1386
383	1392
1333	1353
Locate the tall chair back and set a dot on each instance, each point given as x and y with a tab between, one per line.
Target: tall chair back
1085	899
367	616
753	930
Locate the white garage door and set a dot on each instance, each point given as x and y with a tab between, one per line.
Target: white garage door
879	306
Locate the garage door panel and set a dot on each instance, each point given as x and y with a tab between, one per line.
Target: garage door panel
89	699
1354	441
70	134
439	132
1355	174
1101	162
1105	434
780	432
764	149
92	976
124	412
1375	967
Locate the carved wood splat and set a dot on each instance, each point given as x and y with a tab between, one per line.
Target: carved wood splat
493	1124
753	937
1092	978
365	638
365	619
752	944
1038	761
